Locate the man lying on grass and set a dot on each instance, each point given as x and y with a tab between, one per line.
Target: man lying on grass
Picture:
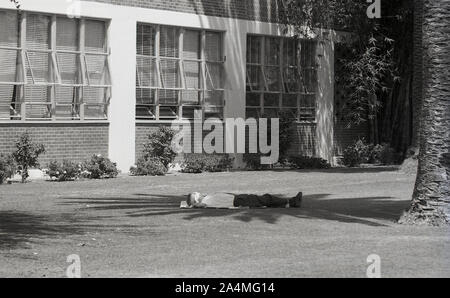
230	201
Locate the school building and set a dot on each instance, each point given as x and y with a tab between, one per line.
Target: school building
96	76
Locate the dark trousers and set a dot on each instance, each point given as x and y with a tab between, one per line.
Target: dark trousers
254	201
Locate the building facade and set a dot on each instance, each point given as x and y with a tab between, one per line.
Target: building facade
96	77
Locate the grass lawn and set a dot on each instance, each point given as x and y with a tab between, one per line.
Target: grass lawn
132	227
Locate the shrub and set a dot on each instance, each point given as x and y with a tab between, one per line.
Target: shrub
159	146
151	167
7	167
67	171
99	167
356	154
198	163
384	154
306	162
27	154
253	162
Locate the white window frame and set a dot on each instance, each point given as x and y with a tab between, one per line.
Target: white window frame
54	71
205	76
303	113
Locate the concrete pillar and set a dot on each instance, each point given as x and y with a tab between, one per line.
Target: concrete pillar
122	130
325	99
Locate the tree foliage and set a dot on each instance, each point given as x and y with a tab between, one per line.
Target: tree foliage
27	154
376	69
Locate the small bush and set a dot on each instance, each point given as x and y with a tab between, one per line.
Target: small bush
384	154
65	171
27	154
99	167
253	162
306	162
151	167
356	154
7	167
360	152
159	146
199	163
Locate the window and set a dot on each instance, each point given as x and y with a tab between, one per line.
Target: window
281	76
179	71
53	68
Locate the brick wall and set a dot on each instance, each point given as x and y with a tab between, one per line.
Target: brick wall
259	10
75	142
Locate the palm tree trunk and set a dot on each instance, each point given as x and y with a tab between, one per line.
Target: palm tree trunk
431	198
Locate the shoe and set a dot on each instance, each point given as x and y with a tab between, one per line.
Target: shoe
296	201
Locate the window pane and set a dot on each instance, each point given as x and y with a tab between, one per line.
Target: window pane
189	112
272	51
95	99
145	96
271	100
191	44
9	61
9	29
254	49
291	113
192	74
67	105
191	97
41	106
95	36
216	78
168	97
66	94
67	34
8	96
38	31
292	80
290	52
213	46
169	113
271	113
308	107
38	67
254	78
69	67
145	112
253	113
146	72
273	78
169	42
253	100
308	53
213	112
310	80
97	69
214	98
145	42
170	73
290	100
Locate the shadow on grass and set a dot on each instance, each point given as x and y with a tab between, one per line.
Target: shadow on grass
17	228
20	229
342	170
366	210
